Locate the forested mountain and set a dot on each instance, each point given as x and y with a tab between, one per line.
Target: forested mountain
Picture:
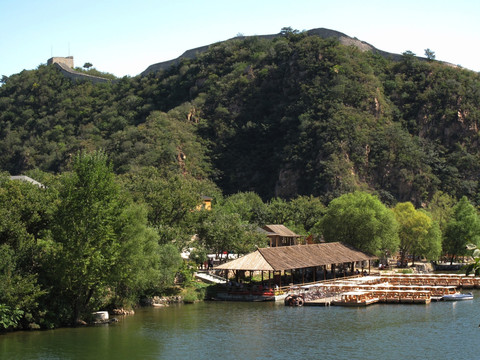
291	115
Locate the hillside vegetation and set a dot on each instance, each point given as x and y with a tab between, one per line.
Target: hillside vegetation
335	143
293	115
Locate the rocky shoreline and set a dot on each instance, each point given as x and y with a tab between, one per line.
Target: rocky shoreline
161	301
156	301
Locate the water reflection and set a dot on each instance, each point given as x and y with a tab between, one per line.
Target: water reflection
229	330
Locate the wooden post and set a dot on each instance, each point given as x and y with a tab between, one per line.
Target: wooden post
324	272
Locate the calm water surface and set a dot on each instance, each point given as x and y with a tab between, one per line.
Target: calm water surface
231	330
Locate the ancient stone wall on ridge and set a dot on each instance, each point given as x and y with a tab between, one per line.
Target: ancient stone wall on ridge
65	65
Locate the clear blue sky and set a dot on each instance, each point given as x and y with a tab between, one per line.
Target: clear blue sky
125	37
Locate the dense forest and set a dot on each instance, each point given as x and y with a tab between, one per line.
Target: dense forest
294	115
295	130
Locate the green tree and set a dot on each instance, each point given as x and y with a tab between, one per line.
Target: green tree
462	229
278	211
170	263
224	232
170	199
417	232
288	31
87	65
248	205
198	255
430	54
93	230
9	318
431	245
25	217
140	268
19	291
440	208
306	211
361	220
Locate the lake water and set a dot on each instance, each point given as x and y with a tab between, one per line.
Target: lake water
234	330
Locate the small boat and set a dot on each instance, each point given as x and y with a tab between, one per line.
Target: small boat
356	298
457	296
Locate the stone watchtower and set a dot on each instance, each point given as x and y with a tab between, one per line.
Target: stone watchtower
68	61
65	65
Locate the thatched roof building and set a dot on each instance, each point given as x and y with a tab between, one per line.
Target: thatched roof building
280	235
297	257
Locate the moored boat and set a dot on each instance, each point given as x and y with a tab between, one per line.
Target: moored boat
356	298
458	296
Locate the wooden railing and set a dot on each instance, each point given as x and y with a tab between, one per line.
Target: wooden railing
292	287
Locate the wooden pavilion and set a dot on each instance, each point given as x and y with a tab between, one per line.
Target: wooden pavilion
299	257
280	235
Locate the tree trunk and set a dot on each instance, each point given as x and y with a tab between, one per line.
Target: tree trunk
402	258
75	314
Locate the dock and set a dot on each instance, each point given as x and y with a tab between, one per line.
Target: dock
321	302
209	278
388	288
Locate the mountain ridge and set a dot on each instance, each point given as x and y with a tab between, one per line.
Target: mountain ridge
322	32
297	115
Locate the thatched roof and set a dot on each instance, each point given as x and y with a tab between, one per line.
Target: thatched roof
297	257
280	230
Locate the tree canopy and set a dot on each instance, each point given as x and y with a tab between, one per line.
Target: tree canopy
101	240
282	117
462	229
361	220
418	234
272	128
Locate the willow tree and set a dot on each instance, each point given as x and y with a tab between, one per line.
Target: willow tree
419	234
361	220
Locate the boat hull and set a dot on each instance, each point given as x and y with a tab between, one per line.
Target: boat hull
355	303
457	297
